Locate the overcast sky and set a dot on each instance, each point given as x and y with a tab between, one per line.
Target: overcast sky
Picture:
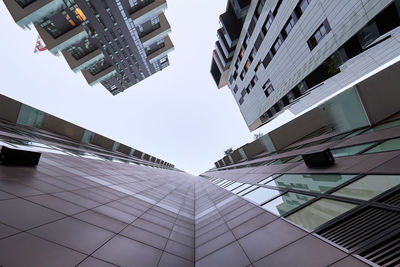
177	114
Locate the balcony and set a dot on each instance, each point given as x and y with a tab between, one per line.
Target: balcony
33	12
162	52
218	72
63	41
94	79
80	64
145	13
159	33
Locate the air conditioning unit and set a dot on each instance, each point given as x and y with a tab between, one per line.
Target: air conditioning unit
17	157
319	159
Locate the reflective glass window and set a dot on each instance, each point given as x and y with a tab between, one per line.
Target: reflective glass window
269	178
319	212
240	188
233	186
369	186
286	202
350	150
247	190
261	195
389	145
319	183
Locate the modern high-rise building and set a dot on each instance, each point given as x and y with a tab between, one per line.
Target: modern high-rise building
115	43
277	55
93	202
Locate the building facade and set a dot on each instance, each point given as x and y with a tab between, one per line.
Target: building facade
115	43
351	205
276	55
90	204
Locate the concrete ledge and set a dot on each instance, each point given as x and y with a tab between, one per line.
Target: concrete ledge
82	63
161	32
148	11
67	39
162	52
33	12
94	79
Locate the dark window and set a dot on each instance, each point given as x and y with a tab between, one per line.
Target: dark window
269	113
251	26
252	55
288	27
235	75
242	74
318	35
267	24
277	8
231	79
258	66
276	46
301	7
267	60
241	100
235	89
388	19
259	8
258	42
268	88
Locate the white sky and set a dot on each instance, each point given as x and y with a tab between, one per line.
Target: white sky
178	114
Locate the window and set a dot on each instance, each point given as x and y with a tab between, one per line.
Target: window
235	89
267	24
247	65
259	8
351	150
258	66
318	35
276	46
286	202
235	75
241	54
252	54
268	88
261	194
319	183
319	213
242	74
267	60
388	145
301	7
246	41
277	8
369	186
288	27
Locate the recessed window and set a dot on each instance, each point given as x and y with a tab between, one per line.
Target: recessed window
268	88
247	65
267	24
269	178
241	54
369	186
286	203
233	186
258	66
319	183
319	212
301	7
318	35
276	46
288	27
259	8
240	188
261	194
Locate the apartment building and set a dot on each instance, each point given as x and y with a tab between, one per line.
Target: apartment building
279	55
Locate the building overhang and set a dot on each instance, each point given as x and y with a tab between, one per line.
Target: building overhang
148	11
159	33
82	63
162	52
94	79
64	41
